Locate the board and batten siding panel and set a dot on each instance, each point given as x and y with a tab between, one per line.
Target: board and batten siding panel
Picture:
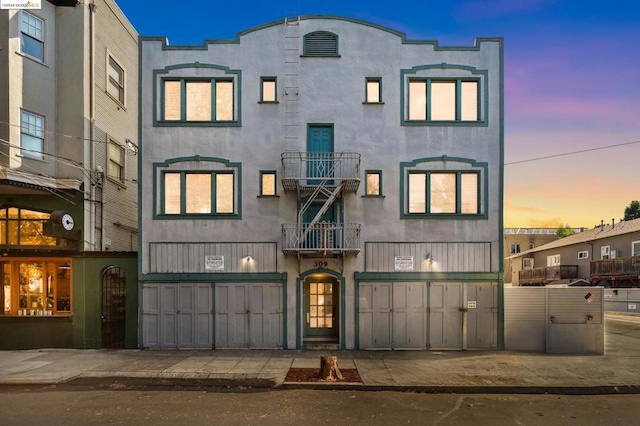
446	257
190	257
573	305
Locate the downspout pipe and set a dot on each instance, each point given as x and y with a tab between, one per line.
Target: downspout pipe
92	127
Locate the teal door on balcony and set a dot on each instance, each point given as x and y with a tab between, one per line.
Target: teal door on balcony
319	153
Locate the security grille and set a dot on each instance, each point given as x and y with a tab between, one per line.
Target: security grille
114	304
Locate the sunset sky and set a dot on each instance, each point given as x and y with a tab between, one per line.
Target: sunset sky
572	84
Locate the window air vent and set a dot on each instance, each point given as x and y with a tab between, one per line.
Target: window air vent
320	43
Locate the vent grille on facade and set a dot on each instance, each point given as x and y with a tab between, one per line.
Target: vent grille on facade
320	43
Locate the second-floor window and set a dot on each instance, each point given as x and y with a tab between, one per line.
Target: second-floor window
443	192
31	135
208	100
198	193
115	168
515	248
32	36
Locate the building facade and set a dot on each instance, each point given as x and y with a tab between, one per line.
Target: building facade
321	182
68	176
607	255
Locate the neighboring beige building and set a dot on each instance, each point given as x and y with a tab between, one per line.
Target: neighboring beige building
68	169
606	255
517	240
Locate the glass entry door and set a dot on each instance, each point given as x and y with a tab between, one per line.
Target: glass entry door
321	307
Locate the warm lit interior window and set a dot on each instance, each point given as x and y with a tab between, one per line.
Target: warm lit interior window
115	168
192	100
198	193
268	90
191	193
373	90
224	193
224	101
417	100
36	287
437	100
373	183
448	193
268	185
172	193
23	227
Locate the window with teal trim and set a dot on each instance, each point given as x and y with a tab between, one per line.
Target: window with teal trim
373	90
443	100
198	100
443	192
373	183
268	90
199	193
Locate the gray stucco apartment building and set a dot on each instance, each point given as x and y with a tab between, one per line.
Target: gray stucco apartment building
321	182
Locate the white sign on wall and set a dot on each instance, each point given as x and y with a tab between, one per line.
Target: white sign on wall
214	263
20	4
404	263
471	304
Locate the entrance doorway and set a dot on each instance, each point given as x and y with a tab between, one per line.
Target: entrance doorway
114	306
321	304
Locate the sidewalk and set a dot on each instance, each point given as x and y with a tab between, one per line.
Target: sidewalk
429	371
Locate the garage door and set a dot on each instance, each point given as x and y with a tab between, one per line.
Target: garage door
177	315
392	315
248	315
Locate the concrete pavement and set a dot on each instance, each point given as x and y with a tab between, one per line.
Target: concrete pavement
618	371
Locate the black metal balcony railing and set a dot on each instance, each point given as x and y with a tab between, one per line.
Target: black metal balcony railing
304	170
547	274
322	237
619	268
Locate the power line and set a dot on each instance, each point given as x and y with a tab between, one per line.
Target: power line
571	153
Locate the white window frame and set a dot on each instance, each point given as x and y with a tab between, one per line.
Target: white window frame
635	248
553	260
112	83
515	248
30	31
33	131
110	160
605	252
528	262
583	254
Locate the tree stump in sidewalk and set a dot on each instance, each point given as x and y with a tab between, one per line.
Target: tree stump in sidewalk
329	370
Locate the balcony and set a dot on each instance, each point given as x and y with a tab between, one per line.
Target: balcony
322	238
542	276
617	269
308	170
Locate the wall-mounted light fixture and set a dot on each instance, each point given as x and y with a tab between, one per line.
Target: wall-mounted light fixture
428	259
248	258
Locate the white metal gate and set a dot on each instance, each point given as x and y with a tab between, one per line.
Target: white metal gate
248	315
392	315
177	315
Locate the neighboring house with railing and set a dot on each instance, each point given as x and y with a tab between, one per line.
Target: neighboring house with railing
322	182
607	255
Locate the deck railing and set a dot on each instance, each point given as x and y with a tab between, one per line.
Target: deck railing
315	168
547	274
322	237
621	267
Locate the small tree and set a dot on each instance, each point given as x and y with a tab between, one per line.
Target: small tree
564	231
632	211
